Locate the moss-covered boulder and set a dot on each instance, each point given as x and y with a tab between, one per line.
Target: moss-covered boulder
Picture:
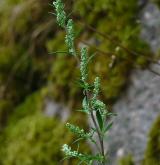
152	154
32	138
22	50
35	140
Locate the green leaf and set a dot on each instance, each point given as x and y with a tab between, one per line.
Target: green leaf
58	52
85	104
83	85
111	114
77	140
99	119
108	127
91	57
94	129
83	110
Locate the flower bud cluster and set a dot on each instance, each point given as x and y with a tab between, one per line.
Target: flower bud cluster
60	13
83	64
96	88
68	152
70	35
76	130
97	104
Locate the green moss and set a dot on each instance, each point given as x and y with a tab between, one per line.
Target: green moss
127	160
33	104
56	42
33	138
66	68
22	66
152	154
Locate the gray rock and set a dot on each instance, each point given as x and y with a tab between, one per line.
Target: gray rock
140	104
52	109
150	20
137	109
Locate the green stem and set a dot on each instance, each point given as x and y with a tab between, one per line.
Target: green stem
101	141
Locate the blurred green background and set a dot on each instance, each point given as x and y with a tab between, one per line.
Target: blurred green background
32	78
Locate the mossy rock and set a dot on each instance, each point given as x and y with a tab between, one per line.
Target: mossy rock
152	154
22	66
35	140
126	160
32	138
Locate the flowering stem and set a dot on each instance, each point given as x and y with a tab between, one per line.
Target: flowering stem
90	104
97	129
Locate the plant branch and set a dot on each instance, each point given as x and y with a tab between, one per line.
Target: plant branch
97	128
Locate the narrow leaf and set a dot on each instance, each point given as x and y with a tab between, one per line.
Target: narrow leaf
85	104
84	111
111	114
99	119
91	57
58	52
77	140
108	127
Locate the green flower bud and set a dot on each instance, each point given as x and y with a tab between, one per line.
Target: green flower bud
83	64
70	35
60	13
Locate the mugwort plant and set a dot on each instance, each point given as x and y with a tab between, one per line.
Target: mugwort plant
91	105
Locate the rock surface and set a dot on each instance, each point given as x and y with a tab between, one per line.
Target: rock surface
55	109
150	20
140	104
137	109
